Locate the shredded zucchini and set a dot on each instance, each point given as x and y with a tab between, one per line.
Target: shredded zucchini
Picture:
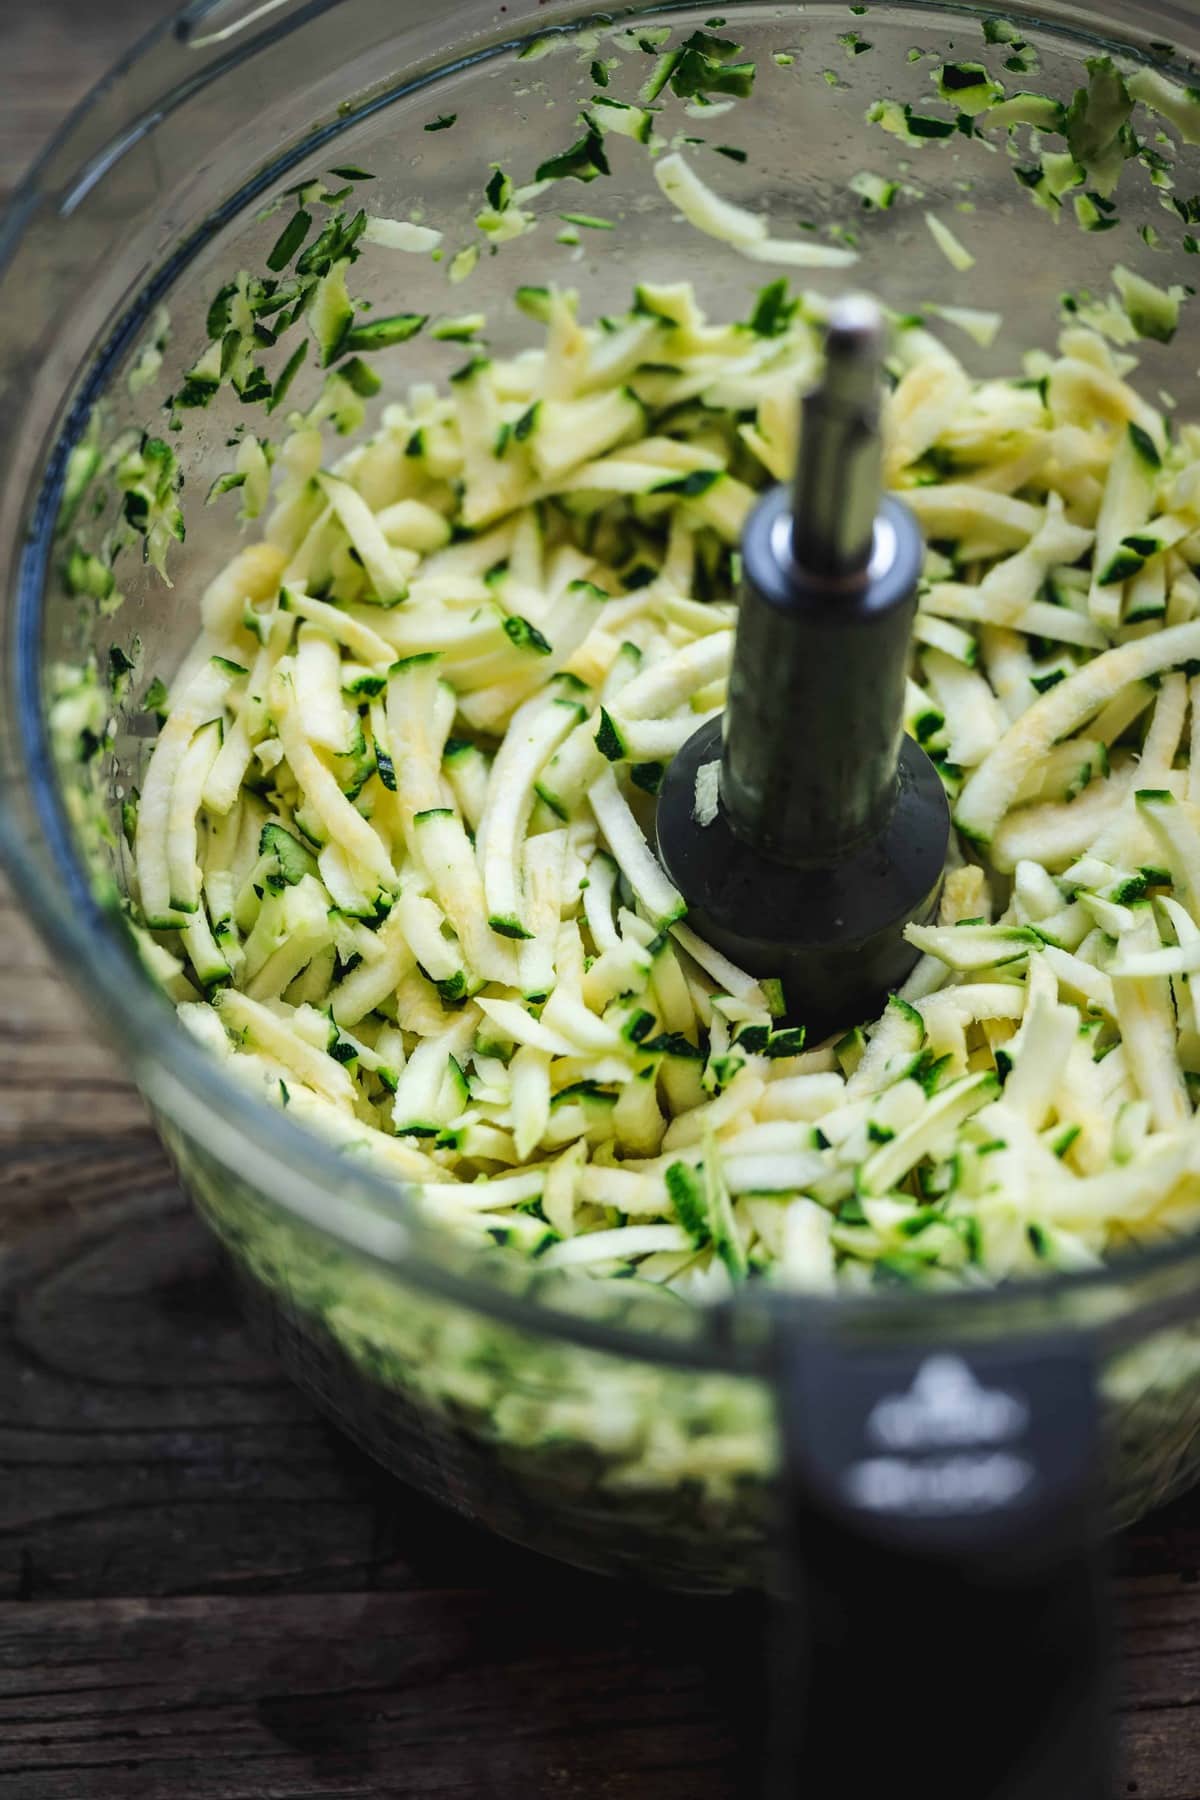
393	852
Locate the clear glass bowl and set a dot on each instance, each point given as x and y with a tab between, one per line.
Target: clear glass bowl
605	1423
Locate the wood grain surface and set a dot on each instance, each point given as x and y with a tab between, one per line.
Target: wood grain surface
206	1593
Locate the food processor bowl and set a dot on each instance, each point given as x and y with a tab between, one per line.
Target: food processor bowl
605	1423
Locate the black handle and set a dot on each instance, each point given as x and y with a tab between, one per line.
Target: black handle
813	721
944	1626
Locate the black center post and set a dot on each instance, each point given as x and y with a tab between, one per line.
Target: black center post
803	827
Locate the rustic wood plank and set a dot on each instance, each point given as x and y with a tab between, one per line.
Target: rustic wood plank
145	1446
432	1693
429	1694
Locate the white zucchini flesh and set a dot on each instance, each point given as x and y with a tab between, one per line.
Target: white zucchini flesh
416	740
198	703
420	1099
1055	832
339	818
949	509
572	769
490	1195
967	947
615	1245
362	641
657	740
267	1031
375	979
892	1161
655	892
401	234
929	396
1147	1021
1176	826
413	525
227	771
520	1027
804	1097
250	576
746	231
305	942
955	252
204	953
729	978
894	1045
1127	504
446	854
975	719
533	735
342	884
693	1131
566	626
598	902
989	791
566	1013
467	773
806	1258
317	675
569	432
422	924
544	866
183	866
530	1098
388	567
955	600
1038	1052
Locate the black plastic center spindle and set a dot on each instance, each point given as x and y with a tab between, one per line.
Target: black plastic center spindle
830	826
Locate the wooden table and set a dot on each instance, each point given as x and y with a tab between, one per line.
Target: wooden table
205	1592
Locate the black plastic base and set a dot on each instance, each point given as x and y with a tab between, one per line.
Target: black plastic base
831	934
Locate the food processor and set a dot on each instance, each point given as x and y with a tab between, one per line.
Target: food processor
907	1468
